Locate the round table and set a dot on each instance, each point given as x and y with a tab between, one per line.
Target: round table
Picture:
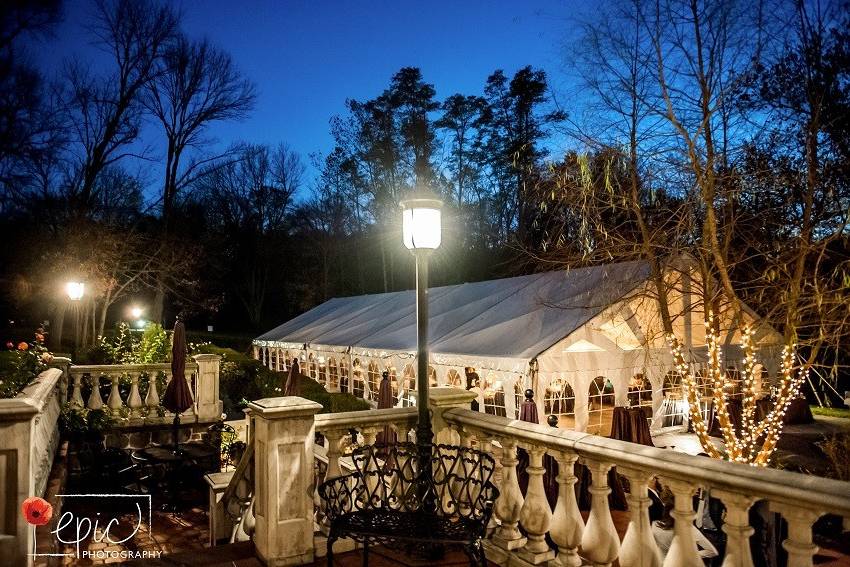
173	461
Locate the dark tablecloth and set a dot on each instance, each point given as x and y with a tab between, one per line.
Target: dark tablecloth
798	412
631	424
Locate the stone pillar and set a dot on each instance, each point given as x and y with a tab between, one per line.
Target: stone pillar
283	433
442	399
208	399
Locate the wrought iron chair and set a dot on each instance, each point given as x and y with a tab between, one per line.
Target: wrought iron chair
386	502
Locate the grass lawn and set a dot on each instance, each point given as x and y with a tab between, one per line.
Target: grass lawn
831	412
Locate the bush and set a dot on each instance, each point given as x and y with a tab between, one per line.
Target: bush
21	363
127	347
80	421
837	448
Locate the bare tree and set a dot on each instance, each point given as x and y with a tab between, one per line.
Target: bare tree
195	85
106	111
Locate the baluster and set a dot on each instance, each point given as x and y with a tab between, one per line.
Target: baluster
95	400
799	543
509	503
134	400
114	401
567	524
487	447
152	396
63	388
737	528
333	437
638	548
188	377
332	441
683	549
77	394
370	435
599	542
536	514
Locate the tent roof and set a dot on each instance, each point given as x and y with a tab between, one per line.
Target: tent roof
517	317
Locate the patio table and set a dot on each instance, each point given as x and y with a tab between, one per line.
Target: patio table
173	462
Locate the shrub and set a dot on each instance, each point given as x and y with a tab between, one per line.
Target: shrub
837	448
244	379
81	421
126	347
21	363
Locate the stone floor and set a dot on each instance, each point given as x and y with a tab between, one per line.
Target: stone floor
242	555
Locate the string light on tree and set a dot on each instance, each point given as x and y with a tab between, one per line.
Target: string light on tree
756	441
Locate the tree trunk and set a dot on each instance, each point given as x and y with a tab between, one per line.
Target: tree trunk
158	307
57	324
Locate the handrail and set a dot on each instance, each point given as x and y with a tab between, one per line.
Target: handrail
797	489
358	419
246	461
117	368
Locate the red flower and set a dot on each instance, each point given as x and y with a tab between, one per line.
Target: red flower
10	345
37	511
23	346
39	337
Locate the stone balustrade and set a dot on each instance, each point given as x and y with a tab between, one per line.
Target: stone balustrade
28	427
134	391
525	524
800	499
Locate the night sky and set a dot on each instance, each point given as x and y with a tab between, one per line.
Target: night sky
307	57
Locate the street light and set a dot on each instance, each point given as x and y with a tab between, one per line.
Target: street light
421	233
136	312
75	291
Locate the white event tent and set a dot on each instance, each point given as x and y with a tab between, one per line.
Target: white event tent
583	339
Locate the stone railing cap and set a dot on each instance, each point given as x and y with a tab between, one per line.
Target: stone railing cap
443	396
32	398
219	480
364	418
284	407
206	356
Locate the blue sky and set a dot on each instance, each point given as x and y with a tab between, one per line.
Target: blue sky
307	57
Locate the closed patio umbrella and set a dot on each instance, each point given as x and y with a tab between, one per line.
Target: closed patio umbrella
292	385
178	397
385	401
527	413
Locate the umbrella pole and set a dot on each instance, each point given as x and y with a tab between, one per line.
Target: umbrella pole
176	424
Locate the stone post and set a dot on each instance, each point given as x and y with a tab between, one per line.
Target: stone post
442	399
209	401
283	433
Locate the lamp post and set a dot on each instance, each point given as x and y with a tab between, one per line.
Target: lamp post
421	232
75	292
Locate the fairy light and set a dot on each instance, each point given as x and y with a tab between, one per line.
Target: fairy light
741	446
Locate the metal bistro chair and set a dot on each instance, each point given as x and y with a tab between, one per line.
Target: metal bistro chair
382	501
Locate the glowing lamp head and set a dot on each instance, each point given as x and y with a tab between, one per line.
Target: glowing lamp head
75	290
421	223
136	312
